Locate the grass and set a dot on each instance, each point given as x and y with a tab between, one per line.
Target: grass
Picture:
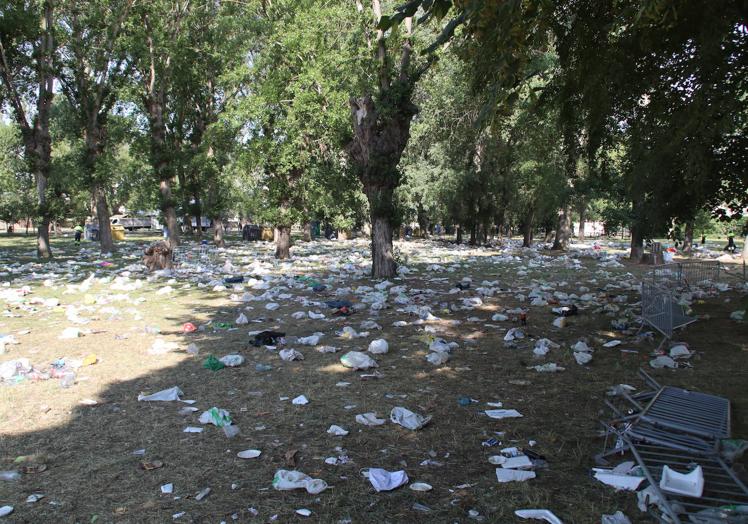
93	476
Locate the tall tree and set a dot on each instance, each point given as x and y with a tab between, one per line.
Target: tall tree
27	47
381	120
93	67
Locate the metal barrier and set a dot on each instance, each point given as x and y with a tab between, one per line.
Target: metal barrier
661	310
202	254
688	274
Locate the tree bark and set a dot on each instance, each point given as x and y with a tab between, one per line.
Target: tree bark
423	222
282	242
218	232
382	257
170	214
688	237
102	213
527	235
582	217
745	251
307	231
198	218
473	234
458	238
562	230
637	244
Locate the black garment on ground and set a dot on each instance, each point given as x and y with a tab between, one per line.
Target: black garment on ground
267	338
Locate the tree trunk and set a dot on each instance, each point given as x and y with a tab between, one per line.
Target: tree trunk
382	257
473	231
423	222
198	218
43	248
637	244
307	231
582	217
458	239
187	224
688	239
745	251
218	232
282	242
562	230
102	213
527	236
170	214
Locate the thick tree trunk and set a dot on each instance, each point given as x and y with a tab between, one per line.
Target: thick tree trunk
688	239
582	217
170	214
382	257
637	244
218	232
102	213
562	230
527	236
307	231
282	242
458	239
423	222
473	231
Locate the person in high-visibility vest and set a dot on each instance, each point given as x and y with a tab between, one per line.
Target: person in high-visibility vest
78	232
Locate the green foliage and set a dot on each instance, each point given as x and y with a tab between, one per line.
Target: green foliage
17	195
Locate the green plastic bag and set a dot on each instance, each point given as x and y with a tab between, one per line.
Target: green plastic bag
213	363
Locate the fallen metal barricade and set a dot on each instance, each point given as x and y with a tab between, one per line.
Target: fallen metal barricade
681	429
661	310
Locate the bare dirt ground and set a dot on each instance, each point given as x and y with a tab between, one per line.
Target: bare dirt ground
92	475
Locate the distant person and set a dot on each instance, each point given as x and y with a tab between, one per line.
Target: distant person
731	247
78	233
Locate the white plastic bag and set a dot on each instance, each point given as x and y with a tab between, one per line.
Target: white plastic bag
232	361
290	355
284	480
358	360
378	346
384	480
408	419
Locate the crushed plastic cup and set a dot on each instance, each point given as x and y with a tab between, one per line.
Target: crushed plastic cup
10	475
337	431
513	475
249	453
290	355
67	379
369	419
